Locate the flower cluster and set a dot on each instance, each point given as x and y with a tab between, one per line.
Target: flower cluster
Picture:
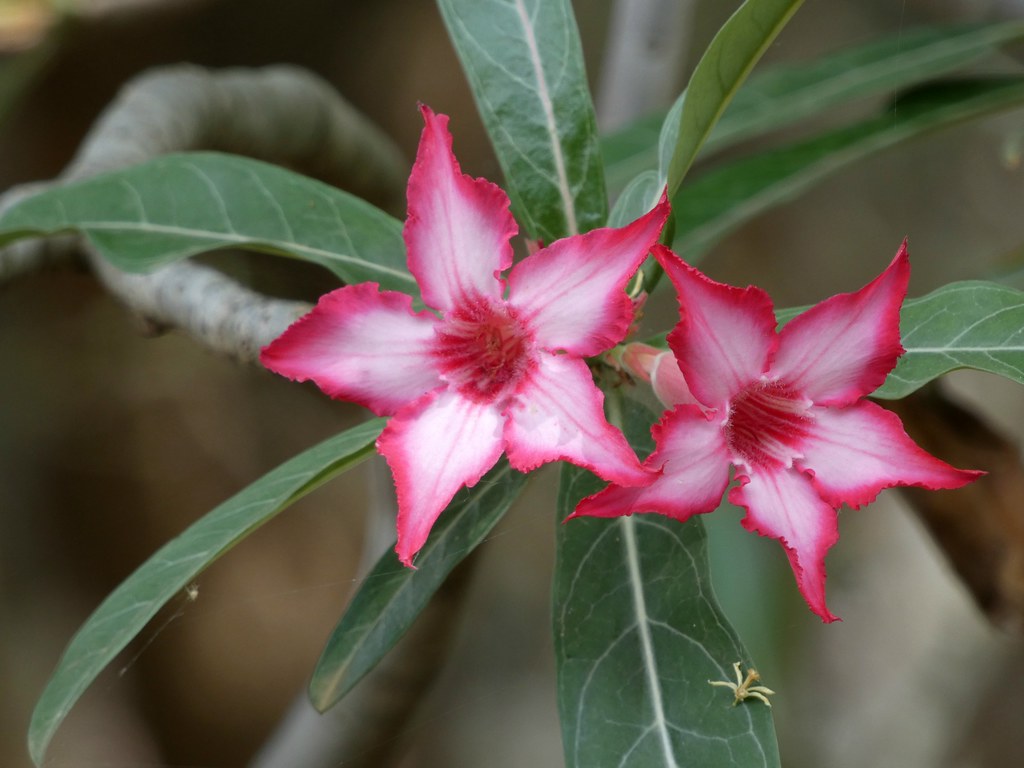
483	373
786	409
497	365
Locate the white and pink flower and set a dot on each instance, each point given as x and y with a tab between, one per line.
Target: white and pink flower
785	408
492	367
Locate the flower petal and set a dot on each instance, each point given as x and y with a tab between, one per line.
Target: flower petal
637	358
853	453
458	231
660	368
844	347
694	465
668	382
558	415
783	504
360	345
434	448
726	335
573	292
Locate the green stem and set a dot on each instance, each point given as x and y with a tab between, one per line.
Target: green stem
613	407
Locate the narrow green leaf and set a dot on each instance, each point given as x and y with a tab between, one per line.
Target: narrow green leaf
786	94
183	204
631	150
392	596
638	634
790	94
127	609
636	199
525	66
722	69
971	324
720	72
644	191
718	202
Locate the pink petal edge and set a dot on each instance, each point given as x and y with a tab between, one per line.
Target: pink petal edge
458	230
434	447
360	345
692	466
784	505
558	415
573	292
853	453
726	336
843	348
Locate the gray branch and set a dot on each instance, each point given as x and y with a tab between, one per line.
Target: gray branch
289	117
283	115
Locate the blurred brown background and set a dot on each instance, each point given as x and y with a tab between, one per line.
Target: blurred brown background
111	443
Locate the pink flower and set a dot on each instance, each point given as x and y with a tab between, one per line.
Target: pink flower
786	409
483	373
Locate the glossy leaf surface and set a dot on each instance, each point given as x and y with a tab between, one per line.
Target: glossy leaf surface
787	94
713	205
180	205
127	609
392	596
971	324
722	69
790	94
636	198
525	66
638	634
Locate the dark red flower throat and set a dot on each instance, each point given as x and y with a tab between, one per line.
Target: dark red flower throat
767	420
483	349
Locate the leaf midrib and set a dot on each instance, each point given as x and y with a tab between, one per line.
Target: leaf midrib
549	118
646	644
365	630
240	239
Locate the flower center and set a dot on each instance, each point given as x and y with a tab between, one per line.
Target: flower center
483	350
766	423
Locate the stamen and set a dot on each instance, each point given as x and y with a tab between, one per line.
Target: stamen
766	423
483	350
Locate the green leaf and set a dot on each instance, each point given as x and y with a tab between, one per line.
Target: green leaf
720	72
638	634
125	612
183	204
722	69
636	199
631	150
668	137
970	324
525	66
392	596
644	191
786	94
721	200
